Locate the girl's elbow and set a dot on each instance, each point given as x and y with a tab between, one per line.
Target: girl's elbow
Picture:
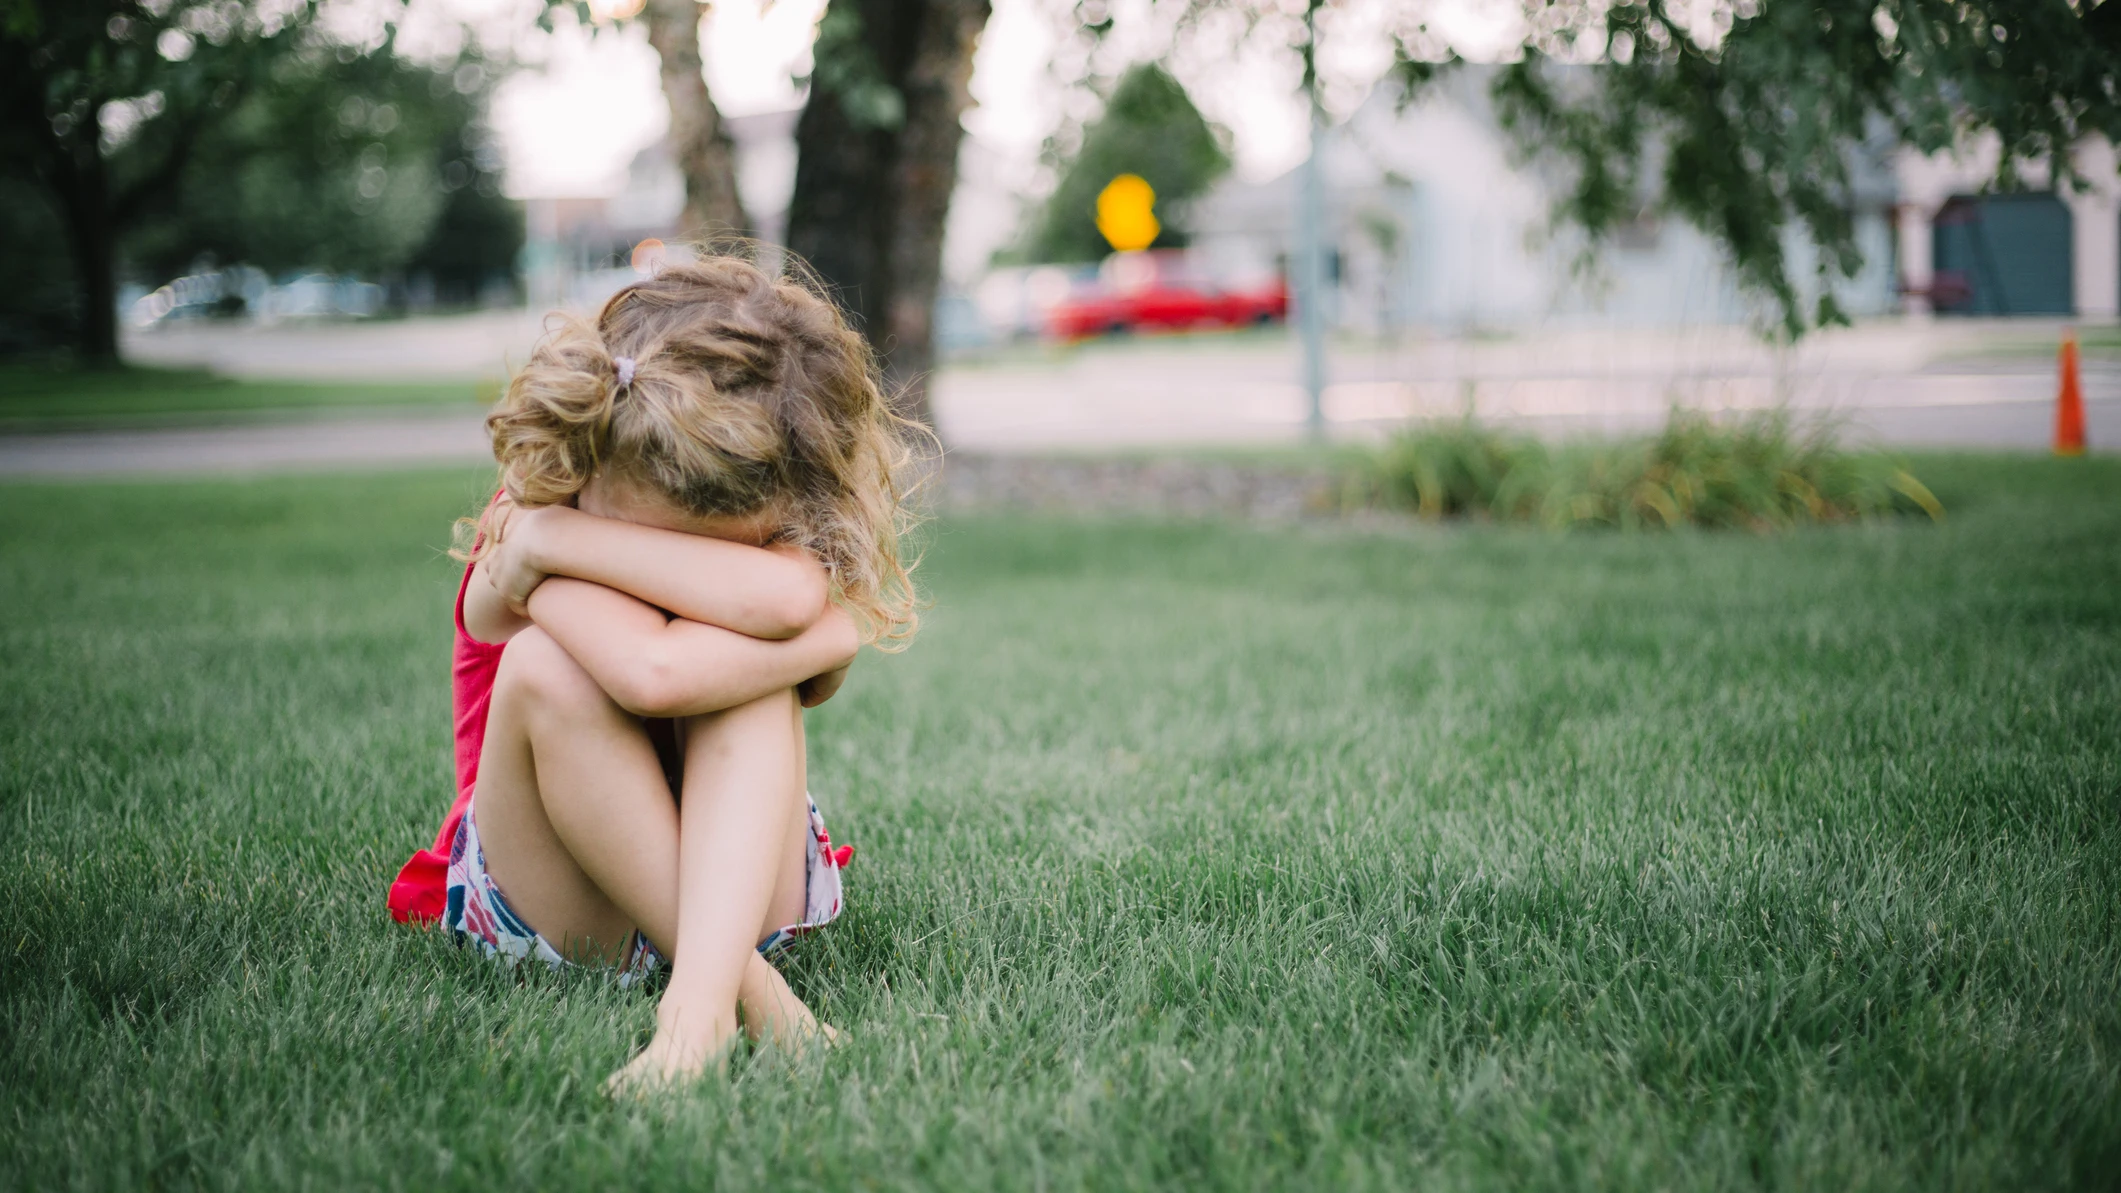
796	609
843	639
647	689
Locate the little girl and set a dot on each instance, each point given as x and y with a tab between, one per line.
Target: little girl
698	527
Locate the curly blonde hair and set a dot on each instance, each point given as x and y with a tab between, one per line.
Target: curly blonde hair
749	392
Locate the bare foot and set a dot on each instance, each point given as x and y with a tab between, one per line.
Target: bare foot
686	1045
773	1012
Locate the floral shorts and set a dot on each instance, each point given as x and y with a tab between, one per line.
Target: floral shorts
478	912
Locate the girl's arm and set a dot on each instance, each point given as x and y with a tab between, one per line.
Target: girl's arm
488	616
656	667
773	593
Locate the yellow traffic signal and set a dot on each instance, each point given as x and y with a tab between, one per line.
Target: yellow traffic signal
1126	213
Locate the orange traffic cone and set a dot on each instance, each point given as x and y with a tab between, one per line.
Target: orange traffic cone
2069	403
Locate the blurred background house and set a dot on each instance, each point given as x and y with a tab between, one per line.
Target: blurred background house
1434	226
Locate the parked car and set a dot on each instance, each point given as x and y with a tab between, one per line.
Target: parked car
243	291
1162	291
1015	302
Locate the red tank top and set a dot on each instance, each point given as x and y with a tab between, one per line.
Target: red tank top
417	895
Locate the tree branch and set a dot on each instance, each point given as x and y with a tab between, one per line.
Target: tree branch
126	204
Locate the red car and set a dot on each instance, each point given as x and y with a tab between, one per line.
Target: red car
1162	291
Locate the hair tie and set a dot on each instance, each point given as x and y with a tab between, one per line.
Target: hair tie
624	364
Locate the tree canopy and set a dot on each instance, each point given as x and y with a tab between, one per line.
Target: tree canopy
341	166
1149	128
142	135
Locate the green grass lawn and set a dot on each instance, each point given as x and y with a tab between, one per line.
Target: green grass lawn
37	397
1192	857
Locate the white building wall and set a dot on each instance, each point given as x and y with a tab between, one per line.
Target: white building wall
2096	237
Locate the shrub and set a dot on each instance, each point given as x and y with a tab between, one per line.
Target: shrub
1762	471
1443	469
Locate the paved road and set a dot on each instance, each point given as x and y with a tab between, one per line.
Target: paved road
1986	385
393	439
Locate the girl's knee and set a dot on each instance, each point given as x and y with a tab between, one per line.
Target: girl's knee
536	669
771	709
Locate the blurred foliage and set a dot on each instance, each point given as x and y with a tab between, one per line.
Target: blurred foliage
1758	472
366	164
1150	128
845	66
39	305
1746	127
144	135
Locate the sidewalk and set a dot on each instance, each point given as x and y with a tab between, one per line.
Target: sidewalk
1906	385
394	439
1943	383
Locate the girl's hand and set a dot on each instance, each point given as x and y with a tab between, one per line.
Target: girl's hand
512	564
820	688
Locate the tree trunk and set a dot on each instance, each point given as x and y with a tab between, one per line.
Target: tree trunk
842	206
872	195
96	269
83	185
705	156
938	90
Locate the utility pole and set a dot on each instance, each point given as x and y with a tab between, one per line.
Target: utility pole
1310	241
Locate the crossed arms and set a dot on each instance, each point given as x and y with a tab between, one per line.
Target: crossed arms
741	621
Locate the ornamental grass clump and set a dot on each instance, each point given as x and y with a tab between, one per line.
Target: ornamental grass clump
1454	468
1759	472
